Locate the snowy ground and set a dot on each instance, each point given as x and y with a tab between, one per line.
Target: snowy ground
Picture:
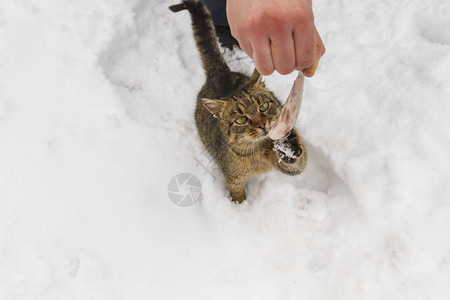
96	118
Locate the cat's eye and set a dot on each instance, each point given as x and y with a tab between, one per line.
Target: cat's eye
241	120
264	106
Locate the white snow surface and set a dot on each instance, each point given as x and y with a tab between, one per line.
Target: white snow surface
96	117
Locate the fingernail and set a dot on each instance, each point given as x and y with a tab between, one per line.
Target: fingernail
311	70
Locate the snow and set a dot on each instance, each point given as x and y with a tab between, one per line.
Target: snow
284	149
96	118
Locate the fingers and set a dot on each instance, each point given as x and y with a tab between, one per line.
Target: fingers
247	47
283	52
276	53
304	41
262	55
319	52
287	52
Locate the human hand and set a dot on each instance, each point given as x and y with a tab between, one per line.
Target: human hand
278	34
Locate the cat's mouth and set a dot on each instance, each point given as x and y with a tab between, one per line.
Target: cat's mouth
263	132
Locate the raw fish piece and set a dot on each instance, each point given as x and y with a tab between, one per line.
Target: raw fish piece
289	113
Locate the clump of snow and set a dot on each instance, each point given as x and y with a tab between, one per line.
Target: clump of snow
284	149
96	118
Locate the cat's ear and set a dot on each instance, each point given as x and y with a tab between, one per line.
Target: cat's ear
255	78
215	107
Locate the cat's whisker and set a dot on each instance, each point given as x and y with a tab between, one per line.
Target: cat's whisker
253	148
232	145
257	147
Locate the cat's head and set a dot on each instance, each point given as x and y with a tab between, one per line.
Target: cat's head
246	117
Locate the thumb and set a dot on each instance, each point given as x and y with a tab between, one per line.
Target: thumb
320	50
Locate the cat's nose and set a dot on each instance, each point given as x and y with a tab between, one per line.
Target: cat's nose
261	125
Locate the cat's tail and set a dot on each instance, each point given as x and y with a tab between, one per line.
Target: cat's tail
205	36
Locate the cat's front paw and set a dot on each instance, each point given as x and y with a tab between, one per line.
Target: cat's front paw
288	148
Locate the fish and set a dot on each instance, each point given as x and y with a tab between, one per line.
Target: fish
283	125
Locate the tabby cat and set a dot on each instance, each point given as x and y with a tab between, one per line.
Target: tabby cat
234	113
